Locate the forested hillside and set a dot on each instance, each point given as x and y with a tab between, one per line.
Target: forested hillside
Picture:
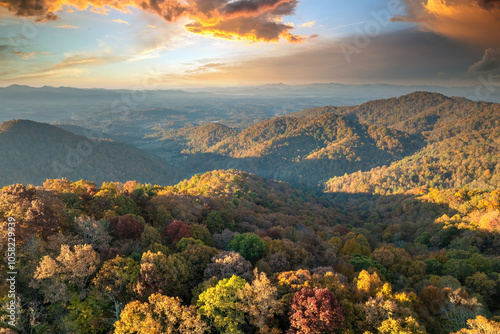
399	143
302	151
462	150
231	252
31	152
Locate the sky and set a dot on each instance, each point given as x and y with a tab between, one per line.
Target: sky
151	44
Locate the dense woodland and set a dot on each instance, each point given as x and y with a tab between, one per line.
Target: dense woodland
405	237
231	252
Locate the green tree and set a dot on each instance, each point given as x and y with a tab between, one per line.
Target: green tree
116	280
459	269
250	246
219	304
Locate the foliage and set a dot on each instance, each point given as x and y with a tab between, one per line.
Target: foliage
71	269
160	315
315	311
176	231
93	232
227	264
259	301
127	226
480	325
162	274
250	246
219	305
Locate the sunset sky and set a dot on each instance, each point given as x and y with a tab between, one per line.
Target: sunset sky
196	43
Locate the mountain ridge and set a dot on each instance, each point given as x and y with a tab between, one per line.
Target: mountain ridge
32	152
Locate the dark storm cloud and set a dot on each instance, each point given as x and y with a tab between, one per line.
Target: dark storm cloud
488	4
393	57
489	63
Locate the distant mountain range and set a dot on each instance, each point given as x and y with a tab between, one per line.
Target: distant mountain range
49	104
358	93
420	139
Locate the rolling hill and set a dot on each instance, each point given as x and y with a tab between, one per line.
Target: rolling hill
389	145
298	150
463	147
31	152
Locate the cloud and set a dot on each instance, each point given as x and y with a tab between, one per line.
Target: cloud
67	26
308	24
154	40
28	55
79	60
489	63
206	68
149	43
254	20
121	21
472	22
405	57
245	28
488	4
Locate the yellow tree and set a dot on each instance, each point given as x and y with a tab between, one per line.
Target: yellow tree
160	315
259	301
401	326
480	325
368	284
74	267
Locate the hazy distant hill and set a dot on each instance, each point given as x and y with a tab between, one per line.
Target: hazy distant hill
201	138
31	152
354	93
81	131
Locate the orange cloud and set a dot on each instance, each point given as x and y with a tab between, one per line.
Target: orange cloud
67	26
121	21
474	22
28	55
308	24
254	20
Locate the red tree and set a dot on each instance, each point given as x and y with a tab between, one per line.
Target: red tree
315	311
177	230
126	227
